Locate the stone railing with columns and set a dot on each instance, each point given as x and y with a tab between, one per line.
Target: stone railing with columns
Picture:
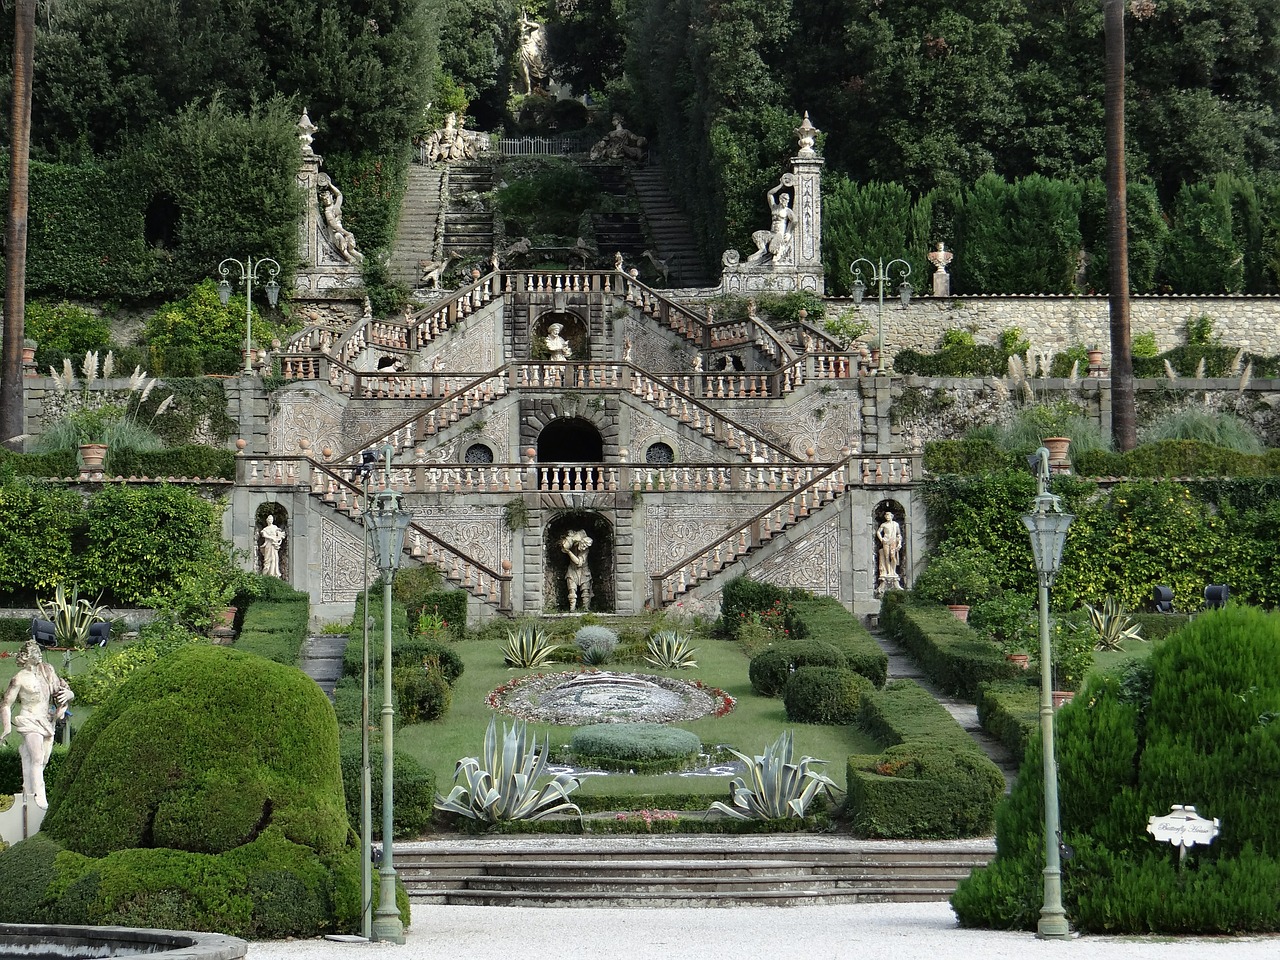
481	581
821	484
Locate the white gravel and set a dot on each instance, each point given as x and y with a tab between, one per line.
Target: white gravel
895	931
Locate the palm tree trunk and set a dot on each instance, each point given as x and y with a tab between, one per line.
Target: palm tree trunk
15	294
1123	413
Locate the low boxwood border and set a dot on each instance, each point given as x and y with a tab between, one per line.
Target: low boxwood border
1010	712
951	654
826	620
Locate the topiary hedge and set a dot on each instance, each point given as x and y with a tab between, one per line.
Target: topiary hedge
191	460
825	695
743	597
1010	712
1194	724
413	785
951	654
202	752
825	619
770	669
932	781
276	629
639	747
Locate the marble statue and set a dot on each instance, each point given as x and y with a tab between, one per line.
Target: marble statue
576	546
889	538
43	697
940	258
453	142
272	539
533	50
774	245
557	345
619	144
344	241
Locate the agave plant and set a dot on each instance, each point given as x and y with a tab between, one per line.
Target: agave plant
776	786
501	785
1112	624
71	616
527	646
670	651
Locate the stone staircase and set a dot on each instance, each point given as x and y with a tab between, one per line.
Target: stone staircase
683	871
468	224
417	230
670	229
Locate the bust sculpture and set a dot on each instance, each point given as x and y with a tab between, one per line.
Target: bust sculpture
557	346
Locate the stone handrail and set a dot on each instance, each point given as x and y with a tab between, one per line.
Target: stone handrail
824	483
470	574
425	325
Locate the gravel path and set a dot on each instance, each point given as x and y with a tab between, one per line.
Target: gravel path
898	931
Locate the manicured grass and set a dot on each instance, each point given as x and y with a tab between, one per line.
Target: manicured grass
752	725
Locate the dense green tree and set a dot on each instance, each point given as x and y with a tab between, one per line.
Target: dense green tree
586	41
879	221
478	42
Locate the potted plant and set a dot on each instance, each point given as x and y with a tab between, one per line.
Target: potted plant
72	617
1071	641
955	580
1009	619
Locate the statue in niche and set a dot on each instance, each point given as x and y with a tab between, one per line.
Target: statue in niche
557	346
577	546
774	245
889	552
344	241
272	538
43	697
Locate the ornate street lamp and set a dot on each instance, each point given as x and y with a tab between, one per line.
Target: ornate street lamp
1048	525
249	273
387	524
880	275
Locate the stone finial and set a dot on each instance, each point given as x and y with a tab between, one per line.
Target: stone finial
806	133
306	133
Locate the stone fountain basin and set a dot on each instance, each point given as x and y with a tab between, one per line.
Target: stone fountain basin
66	942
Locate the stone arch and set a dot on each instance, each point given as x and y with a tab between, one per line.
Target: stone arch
600	560
575	329
572	440
280	517
899	576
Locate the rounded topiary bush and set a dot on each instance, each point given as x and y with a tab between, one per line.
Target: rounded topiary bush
421	694
202	752
643	747
825	695
414	787
770	669
431	654
596	643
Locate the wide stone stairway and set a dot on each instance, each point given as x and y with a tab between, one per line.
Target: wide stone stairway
419	224
670	229
683	871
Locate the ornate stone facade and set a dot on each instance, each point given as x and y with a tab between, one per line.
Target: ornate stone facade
811	564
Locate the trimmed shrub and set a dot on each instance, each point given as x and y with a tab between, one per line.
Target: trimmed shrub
951	654
770	669
184	736
642	747
192	460
275	631
590	637
932	779
26	871
1010	712
413	784
967	456
824	695
421	694
742	597
1194	724
826	620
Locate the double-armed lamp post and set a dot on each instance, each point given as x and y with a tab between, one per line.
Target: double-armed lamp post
880	275
387	523
248	274
1047	524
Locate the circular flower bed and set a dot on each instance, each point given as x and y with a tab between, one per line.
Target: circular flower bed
598	696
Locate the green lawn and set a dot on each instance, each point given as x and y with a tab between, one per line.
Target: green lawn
752	725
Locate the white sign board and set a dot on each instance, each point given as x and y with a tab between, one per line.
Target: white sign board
1183	827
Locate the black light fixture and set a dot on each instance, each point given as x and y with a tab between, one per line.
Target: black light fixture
1164	599
1215	595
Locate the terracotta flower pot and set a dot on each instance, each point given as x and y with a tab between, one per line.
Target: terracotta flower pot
960	611
1058	447
92	456
1062	696
1020	660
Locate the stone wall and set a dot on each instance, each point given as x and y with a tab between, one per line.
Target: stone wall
1053	324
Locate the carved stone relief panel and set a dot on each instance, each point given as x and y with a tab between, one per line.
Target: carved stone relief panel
477	531
646	429
305	415
341	564
364	423
650	350
828	423
812	564
472	351
673	531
